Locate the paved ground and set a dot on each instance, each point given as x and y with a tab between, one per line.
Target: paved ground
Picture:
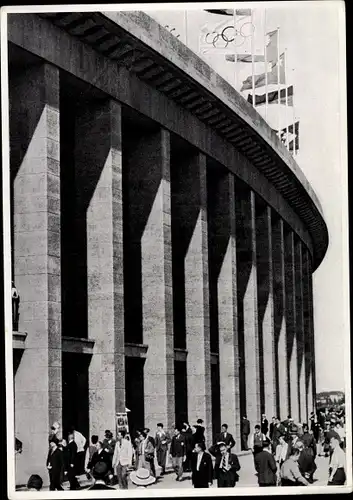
247	476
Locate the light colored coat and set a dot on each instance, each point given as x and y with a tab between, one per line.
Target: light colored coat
122	453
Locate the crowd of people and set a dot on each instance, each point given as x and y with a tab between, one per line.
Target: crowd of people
284	454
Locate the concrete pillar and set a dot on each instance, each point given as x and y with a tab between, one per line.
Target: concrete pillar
307	332
222	255
266	309
299	278
248	301
311	335
35	173
291	326
279	295
189	210
197	303
148	174
99	218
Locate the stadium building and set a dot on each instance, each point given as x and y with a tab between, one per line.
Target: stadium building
163	238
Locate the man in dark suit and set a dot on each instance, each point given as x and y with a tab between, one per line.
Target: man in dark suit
225	437
201	467
278	430
226	467
162	441
200	431
265	465
71	462
272	425
55	466
99	456
100	473
189	446
109	443
264	425
245	431
177	452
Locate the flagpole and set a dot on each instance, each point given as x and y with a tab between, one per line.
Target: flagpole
294	140
279	86
235	51
265	53
252	60
186	26
285	73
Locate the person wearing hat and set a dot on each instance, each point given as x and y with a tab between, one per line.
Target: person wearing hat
265	465
162	441
293	439
100	473
35	483
55	466
109	443
142	478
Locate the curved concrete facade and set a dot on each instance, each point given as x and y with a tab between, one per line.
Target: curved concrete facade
163	238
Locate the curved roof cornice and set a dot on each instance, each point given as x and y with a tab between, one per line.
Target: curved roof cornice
134	39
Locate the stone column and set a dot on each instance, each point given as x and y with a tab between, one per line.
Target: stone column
35	175
197	303
266	308
189	210
248	300
311	335
99	217
299	277
307	330
148	171
282	378
223	252
291	326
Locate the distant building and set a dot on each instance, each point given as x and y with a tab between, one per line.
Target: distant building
164	239
330	397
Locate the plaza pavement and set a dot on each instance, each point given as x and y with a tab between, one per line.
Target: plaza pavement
247	477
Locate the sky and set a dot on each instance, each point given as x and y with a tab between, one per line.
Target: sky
310	36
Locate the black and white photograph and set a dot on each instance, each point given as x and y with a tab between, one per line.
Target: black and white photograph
176	262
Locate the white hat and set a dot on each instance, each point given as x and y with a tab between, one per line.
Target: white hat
142	477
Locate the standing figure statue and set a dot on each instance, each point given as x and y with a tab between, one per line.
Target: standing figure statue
15	307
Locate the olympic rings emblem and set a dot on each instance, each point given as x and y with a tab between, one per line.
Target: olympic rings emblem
228	35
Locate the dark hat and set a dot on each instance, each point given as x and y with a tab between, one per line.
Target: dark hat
293	429
35	482
266	442
199	421
100	470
